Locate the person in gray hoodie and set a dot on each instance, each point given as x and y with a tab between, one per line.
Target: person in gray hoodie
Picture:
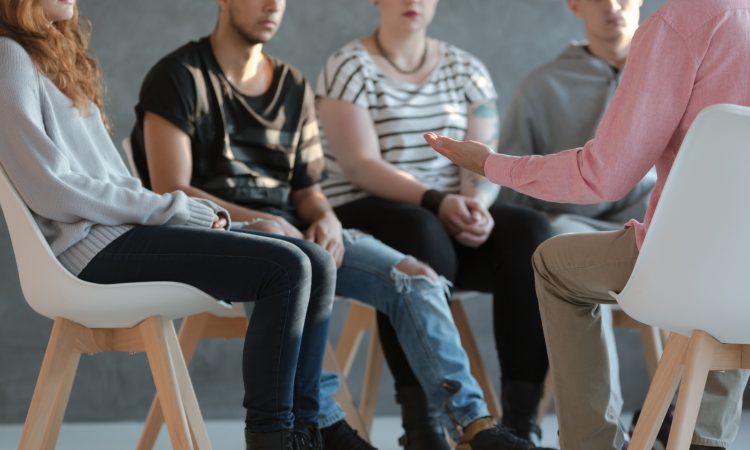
559	105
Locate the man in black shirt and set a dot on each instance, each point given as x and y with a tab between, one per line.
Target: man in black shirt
220	119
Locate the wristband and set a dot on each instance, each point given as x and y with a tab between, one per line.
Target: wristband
432	199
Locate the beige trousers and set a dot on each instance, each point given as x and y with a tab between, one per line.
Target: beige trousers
574	273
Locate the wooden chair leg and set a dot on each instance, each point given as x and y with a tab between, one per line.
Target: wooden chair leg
154	331
660	394
344	396
698	362
52	390
373	372
198	430
360	319
475	359
652	347
190	334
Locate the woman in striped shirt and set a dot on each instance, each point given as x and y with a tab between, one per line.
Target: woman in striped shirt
377	96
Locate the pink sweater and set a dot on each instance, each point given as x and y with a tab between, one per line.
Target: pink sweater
688	55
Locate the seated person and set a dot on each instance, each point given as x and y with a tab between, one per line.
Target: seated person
105	227
222	120
559	105
377	95
684	58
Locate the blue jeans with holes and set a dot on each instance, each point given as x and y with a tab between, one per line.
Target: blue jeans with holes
419	311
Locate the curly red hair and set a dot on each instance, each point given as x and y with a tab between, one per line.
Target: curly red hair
59	50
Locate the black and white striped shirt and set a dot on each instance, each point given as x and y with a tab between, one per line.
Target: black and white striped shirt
403	112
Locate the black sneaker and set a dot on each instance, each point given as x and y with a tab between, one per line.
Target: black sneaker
484	434
340	436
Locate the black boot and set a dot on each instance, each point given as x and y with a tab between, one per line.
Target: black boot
422	431
277	440
520	401
340	436
704	447
308	437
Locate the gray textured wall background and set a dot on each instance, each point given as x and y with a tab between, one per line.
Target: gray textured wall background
511	36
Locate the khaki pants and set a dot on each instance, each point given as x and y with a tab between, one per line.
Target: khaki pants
574	273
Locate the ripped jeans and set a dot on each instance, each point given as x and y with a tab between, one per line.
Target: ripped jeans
419	311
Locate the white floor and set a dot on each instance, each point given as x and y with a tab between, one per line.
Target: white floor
226	435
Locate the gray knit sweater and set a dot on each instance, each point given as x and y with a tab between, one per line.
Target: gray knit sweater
67	170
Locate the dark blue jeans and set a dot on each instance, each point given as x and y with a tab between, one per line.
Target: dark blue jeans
291	281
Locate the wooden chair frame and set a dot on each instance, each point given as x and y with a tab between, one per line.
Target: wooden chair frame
690	360
210	326
156	337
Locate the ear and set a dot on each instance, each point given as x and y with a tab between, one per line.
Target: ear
574	7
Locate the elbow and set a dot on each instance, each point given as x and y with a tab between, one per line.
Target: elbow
610	193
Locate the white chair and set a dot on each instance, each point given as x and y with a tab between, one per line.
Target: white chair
692	271
92	318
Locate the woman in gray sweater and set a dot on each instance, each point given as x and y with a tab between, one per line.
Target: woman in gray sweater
104	227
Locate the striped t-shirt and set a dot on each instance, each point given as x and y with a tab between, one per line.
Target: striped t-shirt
403	112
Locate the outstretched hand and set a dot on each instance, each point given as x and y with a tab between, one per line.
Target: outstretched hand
470	155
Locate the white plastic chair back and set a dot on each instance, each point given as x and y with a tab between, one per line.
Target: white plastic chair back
127	148
53	292
693	269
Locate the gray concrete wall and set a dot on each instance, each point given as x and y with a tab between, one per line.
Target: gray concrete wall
511	36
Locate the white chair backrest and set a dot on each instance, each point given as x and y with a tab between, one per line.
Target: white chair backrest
693	269
53	292
127	148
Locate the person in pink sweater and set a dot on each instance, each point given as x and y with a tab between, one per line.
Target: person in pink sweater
688	55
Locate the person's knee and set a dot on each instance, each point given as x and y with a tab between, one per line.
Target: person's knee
292	260
547	261
322	264
414	268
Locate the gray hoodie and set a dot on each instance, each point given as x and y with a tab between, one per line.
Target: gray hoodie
558	107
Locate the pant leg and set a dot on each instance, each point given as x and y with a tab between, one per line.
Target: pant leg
330	411
418	309
239	267
411	230
574	223
502	266
574	273
721	408
309	381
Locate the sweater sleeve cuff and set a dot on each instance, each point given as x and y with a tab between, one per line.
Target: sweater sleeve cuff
200	215
498	167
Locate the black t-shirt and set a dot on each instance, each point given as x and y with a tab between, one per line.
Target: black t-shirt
252	151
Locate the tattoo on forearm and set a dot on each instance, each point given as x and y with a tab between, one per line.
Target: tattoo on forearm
485	111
